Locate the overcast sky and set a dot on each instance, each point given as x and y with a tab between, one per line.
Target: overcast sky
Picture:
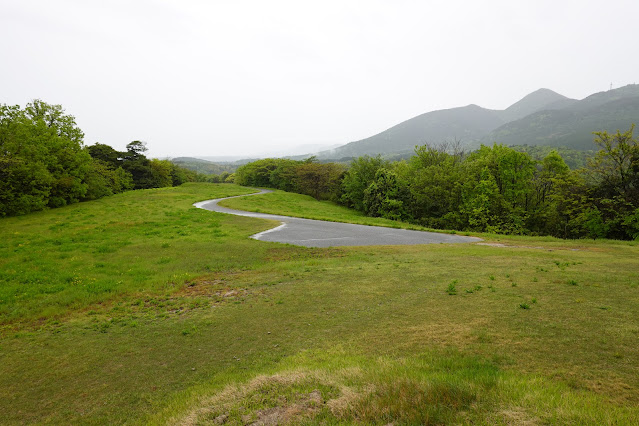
210	78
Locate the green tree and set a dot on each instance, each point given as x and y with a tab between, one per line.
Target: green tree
42	160
386	196
549	179
614	179
106	154
616	165
256	173
161	171
512	172
358	177
483	203
136	163
284	175
318	180
435	180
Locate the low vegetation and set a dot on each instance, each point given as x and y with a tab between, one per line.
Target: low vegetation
140	308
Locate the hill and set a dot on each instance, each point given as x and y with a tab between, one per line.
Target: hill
203	166
571	124
536	101
542	118
469	124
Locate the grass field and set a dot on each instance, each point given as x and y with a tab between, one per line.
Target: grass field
139	308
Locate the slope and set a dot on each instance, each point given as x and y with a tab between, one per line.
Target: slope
535	101
469	124
572	125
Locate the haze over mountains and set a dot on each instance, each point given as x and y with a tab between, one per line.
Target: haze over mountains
543	117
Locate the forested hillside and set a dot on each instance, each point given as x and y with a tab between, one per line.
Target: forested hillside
571	124
204	166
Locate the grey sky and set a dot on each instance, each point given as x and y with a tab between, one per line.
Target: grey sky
247	77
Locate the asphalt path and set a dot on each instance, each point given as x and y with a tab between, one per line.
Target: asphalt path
320	233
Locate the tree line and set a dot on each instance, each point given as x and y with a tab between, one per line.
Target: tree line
44	162
493	189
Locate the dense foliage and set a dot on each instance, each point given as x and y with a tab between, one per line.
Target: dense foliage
320	180
494	189
44	163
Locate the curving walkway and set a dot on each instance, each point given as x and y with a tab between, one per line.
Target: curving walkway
319	233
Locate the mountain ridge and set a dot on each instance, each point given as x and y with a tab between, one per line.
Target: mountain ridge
542	117
572	126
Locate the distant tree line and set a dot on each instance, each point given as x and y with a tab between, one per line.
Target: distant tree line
205	167
493	189
44	163
320	180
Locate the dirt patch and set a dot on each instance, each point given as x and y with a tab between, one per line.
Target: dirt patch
305	406
501	245
296	253
518	416
281	396
218	289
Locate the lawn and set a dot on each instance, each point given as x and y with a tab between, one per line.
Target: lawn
139	308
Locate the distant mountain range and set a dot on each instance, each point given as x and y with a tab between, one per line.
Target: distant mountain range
543	118
204	166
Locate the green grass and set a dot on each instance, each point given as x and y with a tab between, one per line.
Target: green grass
64	260
307	207
202	323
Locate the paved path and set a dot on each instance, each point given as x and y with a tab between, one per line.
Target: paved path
319	233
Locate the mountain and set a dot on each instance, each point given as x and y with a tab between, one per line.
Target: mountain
536	101
570	124
203	166
543	118
468	124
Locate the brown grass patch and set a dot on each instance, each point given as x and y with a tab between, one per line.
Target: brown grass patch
282	254
240	404
518	416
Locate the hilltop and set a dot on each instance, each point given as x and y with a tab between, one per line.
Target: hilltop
570	124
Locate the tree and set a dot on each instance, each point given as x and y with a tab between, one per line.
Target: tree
284	175
42	158
106	154
357	178
512	172
616	164
136	149
614	178
136	163
435	181
161	171
318	180
103	180
53	117
256	173
386	196
483	203
549	180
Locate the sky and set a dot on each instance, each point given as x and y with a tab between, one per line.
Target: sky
249	78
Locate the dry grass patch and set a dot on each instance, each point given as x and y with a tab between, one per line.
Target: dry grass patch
286	398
